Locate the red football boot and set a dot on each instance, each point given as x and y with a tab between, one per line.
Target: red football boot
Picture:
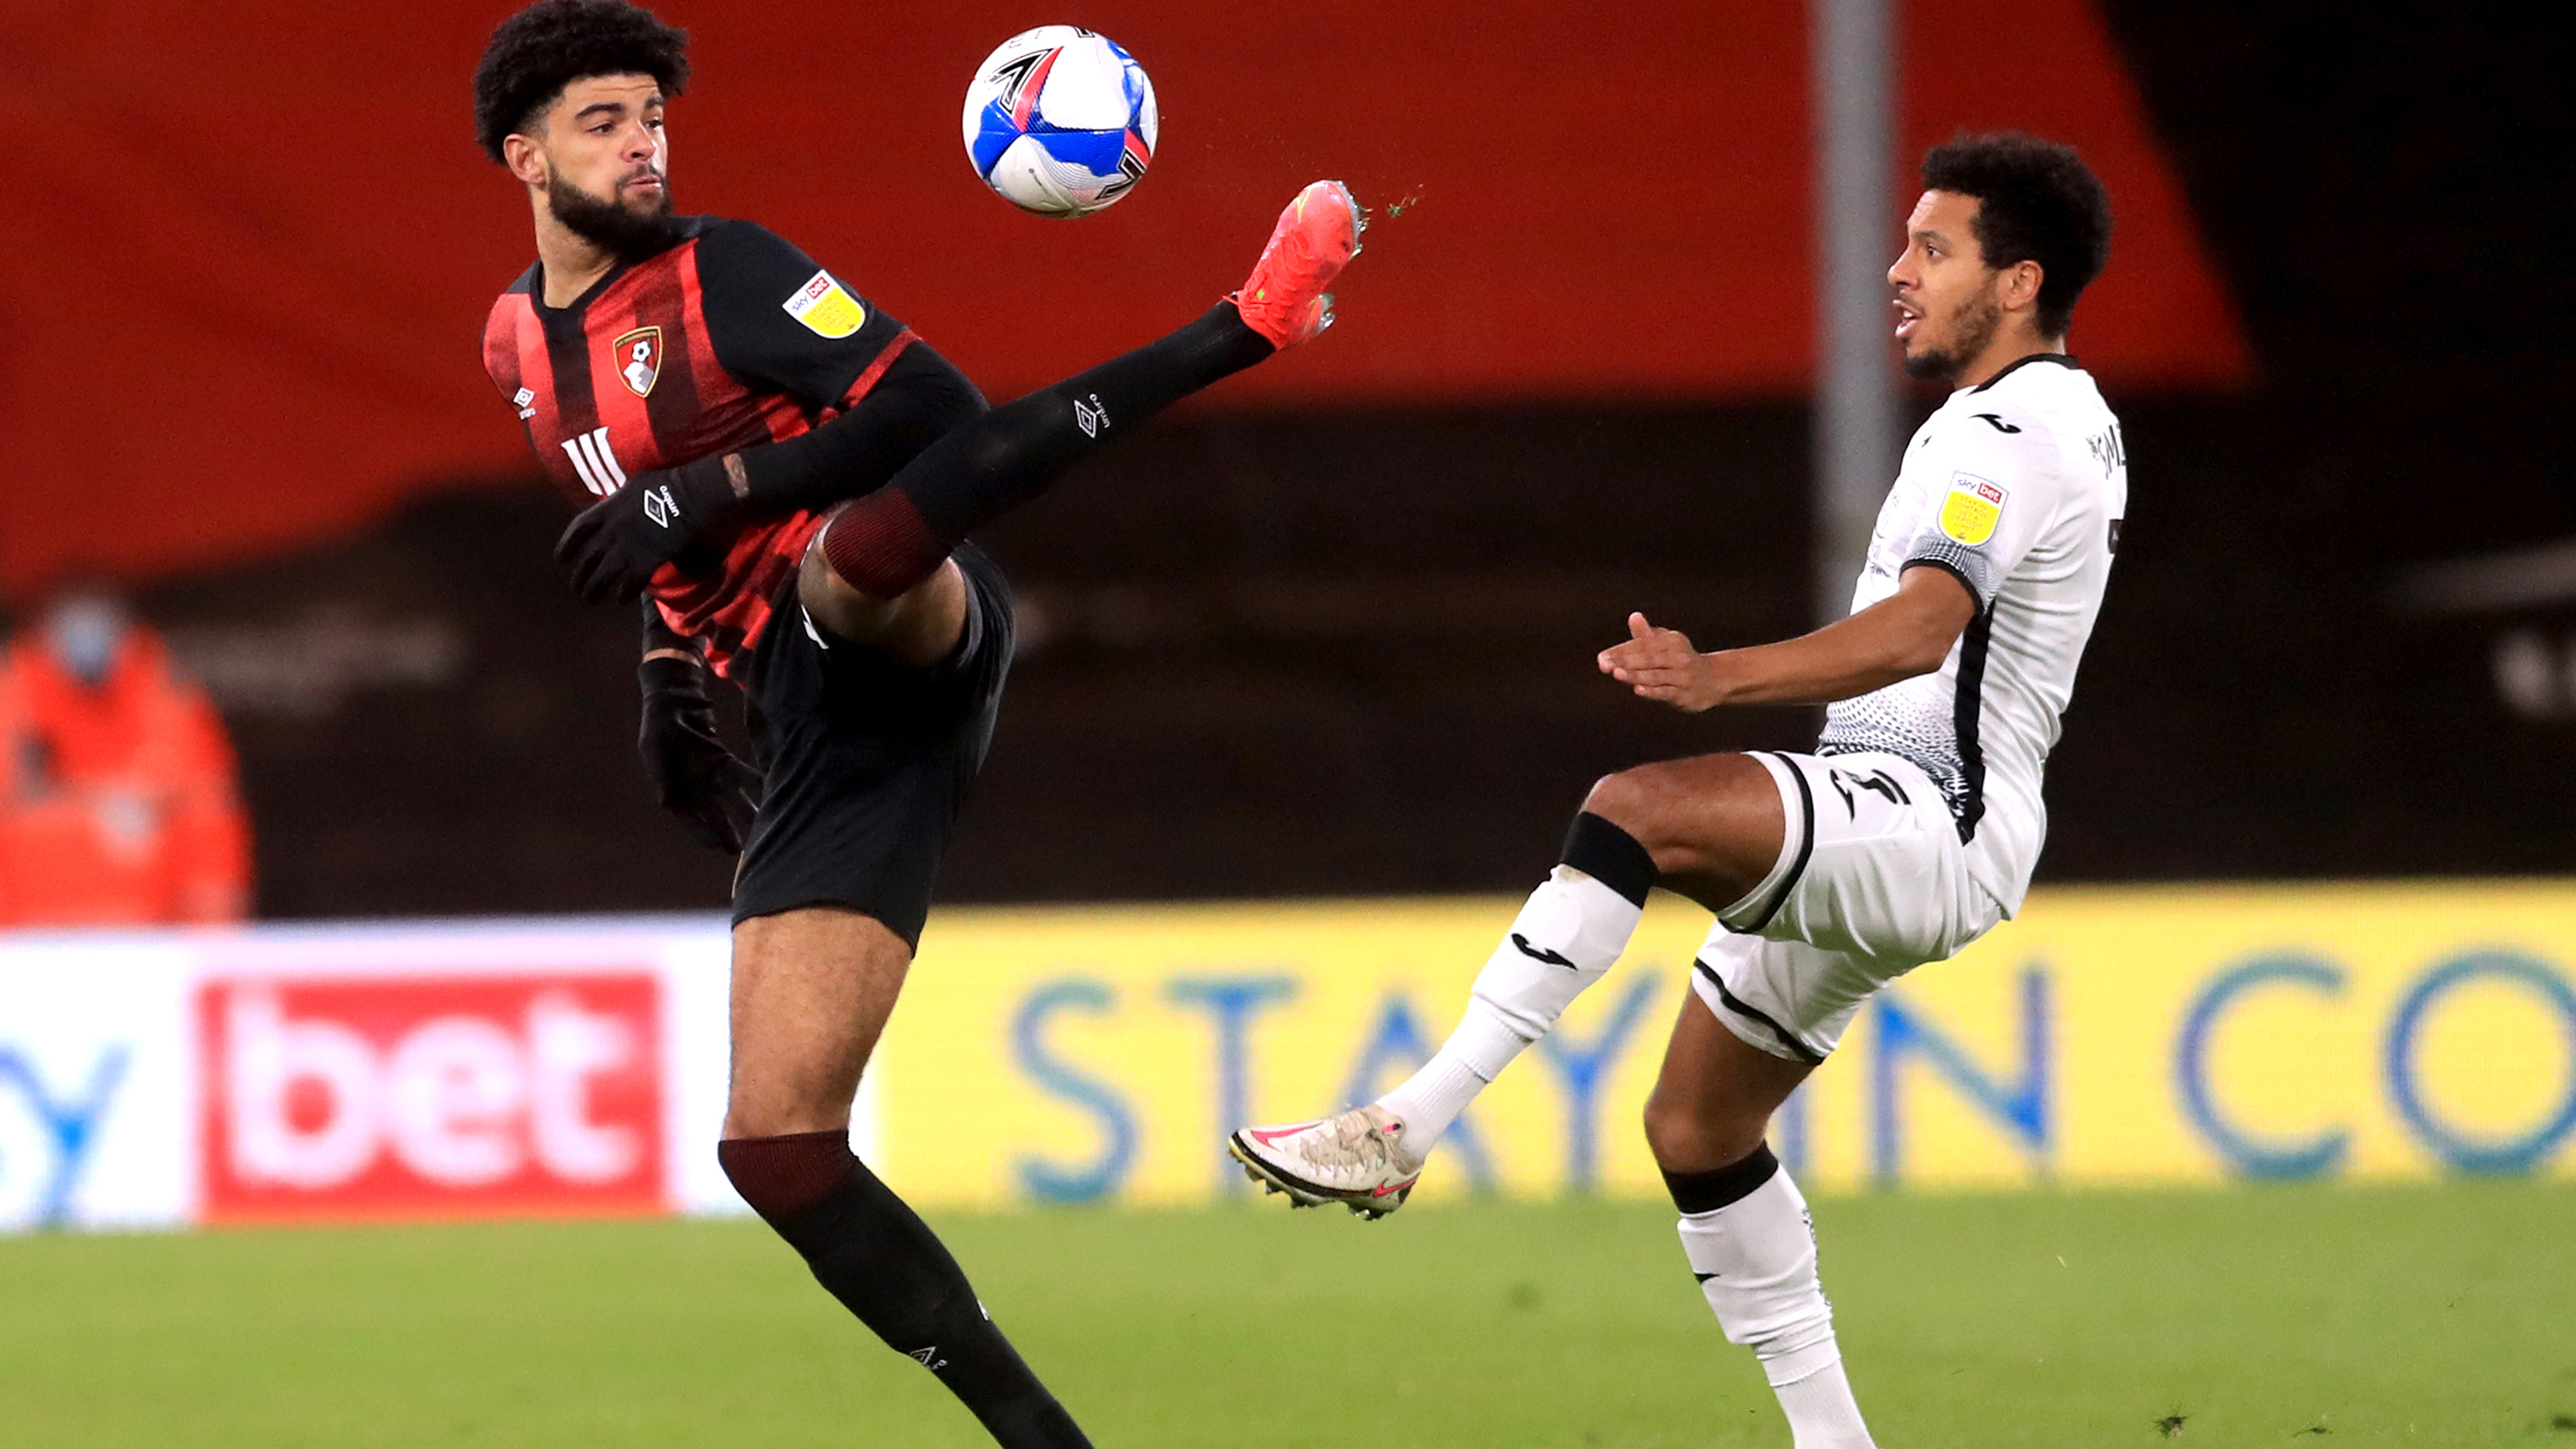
1284	298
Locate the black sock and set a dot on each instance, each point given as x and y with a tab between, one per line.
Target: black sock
891	539
1611	856
882	1261
1706	1192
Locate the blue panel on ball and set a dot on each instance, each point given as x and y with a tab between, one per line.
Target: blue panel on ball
993	136
1094	151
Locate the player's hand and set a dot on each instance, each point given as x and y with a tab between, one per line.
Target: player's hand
694	776
615	545
1660	664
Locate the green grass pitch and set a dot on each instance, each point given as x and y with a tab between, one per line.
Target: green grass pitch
2279	1317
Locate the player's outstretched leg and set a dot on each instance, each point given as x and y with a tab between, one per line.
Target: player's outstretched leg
883	544
1709	828
1568	934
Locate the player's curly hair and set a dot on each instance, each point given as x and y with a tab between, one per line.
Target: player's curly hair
2039	204
537	52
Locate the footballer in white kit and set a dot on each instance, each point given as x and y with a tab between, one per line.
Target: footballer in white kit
1910	830
1919	816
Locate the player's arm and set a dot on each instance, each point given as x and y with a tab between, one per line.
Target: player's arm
2004	492
918	400
779	323
1908	633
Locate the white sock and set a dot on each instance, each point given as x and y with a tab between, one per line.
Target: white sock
1567	936
1756	1261
1821	1412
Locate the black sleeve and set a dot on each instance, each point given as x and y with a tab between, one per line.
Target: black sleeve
772	316
919	400
780	322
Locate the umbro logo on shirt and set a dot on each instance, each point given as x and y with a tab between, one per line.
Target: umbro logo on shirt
2000	425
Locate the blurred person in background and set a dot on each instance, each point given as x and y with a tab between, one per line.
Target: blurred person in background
118	795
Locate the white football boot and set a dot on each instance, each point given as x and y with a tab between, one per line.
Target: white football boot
1357	1159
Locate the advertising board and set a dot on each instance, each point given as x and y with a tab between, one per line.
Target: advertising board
396	1070
536	1094
2130	1037
96	1083
2109	1036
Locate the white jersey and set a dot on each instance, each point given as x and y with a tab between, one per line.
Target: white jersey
2016	487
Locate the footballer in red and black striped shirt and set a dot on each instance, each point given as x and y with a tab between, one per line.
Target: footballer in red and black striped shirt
724	338
787	477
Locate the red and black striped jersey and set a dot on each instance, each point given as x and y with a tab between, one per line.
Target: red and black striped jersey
729	338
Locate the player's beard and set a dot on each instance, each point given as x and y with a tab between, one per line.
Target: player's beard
614	227
1980	317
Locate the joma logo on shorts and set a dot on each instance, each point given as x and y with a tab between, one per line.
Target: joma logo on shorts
1877	782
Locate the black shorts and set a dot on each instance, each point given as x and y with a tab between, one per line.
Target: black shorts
866	761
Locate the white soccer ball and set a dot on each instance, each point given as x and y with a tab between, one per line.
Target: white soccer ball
1060	121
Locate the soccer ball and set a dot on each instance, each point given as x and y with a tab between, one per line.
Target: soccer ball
1060	121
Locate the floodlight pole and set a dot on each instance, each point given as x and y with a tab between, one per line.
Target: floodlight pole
1852	55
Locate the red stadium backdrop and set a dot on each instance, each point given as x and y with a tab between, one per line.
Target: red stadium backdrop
252	246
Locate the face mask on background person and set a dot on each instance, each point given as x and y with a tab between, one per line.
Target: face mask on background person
83	634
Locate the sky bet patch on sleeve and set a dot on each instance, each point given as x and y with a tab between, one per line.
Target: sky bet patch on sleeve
1972	510
825	309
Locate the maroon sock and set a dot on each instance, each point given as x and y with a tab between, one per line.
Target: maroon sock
783	1176
879	545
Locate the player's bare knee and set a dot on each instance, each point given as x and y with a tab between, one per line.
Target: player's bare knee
781	1098
1626	800
1641	802
1689	1135
1675	1135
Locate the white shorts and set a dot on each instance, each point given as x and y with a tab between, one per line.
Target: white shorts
1872	882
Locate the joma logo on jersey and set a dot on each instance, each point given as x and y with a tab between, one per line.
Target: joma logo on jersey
638	355
595	462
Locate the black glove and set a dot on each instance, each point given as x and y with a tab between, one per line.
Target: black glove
694	776
615	545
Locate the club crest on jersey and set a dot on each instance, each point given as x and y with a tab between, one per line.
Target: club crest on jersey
1972	510
825	309
639	359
